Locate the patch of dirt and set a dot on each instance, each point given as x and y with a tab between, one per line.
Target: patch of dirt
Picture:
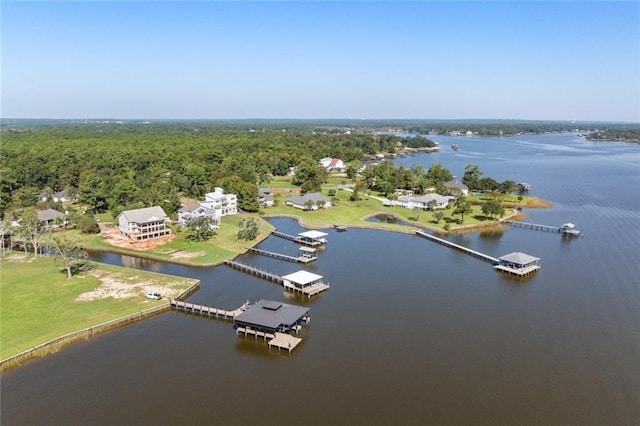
187	255
112	235
117	288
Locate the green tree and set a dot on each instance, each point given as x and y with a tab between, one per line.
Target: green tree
492	207
463	207
438	216
248	229
67	249
308	205
200	228
471	176
31	229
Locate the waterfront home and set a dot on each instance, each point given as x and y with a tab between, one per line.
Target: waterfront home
310	201
457	188
192	210
51	218
144	224
223	204
272	317
518	263
425	202
265	199
332	164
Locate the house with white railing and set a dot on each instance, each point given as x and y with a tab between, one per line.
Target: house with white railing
144	224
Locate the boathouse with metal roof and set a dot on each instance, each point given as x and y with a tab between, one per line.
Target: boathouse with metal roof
268	316
518	263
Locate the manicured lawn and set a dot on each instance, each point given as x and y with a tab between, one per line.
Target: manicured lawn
38	303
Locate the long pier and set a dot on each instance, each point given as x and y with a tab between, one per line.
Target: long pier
310	290
310	243
299	259
534	226
207	311
251	270
481	256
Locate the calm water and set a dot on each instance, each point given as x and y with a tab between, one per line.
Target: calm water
409	333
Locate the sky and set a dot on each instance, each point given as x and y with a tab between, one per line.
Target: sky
543	60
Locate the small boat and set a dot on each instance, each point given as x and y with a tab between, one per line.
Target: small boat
455	147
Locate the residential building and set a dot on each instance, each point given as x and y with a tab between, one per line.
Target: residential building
223	204
51	218
144	224
425	202
332	164
457	188
310	201
192	210
265	199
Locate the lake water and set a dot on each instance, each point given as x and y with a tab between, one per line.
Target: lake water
410	332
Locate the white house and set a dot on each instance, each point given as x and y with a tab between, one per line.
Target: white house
426	202
265	199
223	204
194	210
300	201
144	224
332	164
456	187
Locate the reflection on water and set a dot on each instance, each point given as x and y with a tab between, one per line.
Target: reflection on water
388	218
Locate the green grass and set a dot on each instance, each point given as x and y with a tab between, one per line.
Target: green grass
39	303
353	213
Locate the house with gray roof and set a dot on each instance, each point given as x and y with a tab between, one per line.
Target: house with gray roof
144	224
51	218
193	210
310	201
425	202
457	188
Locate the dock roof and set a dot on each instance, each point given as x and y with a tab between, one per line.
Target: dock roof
313	234
519	258
302	277
271	314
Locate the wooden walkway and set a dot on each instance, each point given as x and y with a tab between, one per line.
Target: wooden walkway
309	291
534	226
207	311
278	340
251	270
463	249
297	239
299	259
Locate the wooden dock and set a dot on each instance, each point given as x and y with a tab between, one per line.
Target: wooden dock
463	249
207	311
251	270
297	239
298	259
308	291
534	226
278	340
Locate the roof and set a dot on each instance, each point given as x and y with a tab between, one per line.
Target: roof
518	258
271	314
313	196
49	215
456	184
313	234
428	197
189	206
147	214
302	277
307	249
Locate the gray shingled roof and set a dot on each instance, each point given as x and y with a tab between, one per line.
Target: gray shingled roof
519	258
267	313
313	196
144	215
49	215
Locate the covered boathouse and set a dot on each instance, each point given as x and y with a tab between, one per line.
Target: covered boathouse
313	238
304	282
518	263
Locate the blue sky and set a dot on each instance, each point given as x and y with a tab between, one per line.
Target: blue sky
211	60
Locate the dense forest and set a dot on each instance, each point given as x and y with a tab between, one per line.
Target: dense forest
616	134
112	168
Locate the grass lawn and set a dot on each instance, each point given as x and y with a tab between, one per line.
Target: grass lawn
40	304
353	213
